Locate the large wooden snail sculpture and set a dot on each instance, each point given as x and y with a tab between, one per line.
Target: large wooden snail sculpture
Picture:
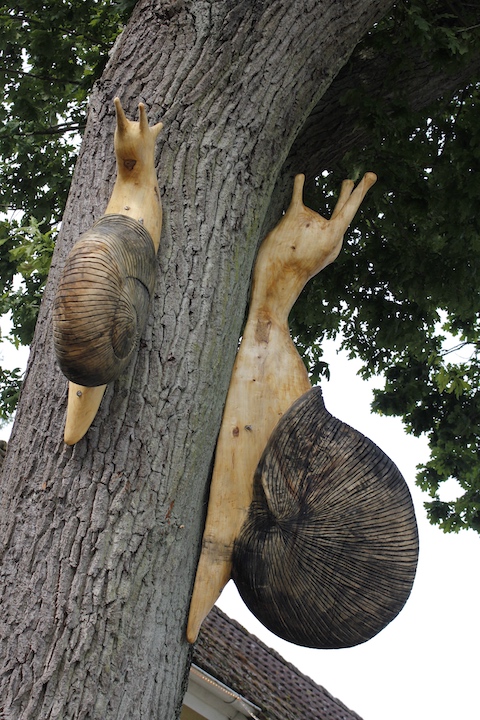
102	300
310	518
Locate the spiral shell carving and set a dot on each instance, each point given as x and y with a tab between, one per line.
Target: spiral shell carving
102	301
328	553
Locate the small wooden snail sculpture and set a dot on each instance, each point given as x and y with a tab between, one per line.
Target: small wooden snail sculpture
312	520
102	300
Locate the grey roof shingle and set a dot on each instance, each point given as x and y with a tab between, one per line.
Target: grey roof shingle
242	662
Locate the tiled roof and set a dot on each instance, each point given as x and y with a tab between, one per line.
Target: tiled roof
242	662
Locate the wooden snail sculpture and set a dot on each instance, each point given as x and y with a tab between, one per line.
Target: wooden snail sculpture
310	518
103	297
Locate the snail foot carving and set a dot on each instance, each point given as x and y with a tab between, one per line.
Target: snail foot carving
82	406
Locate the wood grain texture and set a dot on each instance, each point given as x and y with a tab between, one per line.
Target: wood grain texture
103	299
268	376
328	553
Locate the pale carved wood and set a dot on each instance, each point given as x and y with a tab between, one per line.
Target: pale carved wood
136	195
136	192
268	376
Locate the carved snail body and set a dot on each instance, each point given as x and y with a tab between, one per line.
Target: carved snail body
310	518
102	301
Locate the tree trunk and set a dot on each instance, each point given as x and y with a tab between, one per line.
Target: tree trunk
100	540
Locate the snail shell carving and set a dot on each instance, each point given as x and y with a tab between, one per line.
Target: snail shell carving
102	301
328	553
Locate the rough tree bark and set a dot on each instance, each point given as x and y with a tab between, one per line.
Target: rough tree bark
99	541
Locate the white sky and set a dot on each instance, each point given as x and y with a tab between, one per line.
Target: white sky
424	665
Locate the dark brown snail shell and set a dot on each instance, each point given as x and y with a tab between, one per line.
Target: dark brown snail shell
328	553
102	300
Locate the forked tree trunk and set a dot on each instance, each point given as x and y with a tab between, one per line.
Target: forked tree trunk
99	541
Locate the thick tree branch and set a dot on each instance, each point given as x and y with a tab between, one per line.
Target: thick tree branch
332	128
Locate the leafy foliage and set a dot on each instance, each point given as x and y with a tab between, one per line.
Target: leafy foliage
10	384
405	292
29	256
51	53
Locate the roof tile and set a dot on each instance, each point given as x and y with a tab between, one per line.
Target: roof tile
240	660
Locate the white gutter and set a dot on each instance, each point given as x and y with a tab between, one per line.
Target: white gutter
214	700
